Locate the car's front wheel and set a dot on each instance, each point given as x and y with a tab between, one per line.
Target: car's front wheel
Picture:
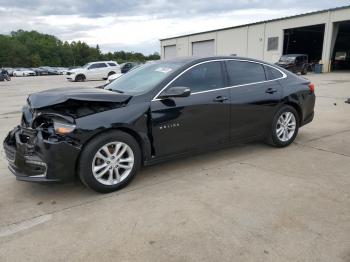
109	162
284	128
80	78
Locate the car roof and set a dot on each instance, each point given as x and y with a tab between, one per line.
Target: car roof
190	61
102	62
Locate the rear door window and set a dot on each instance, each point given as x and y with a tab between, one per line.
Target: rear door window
101	65
112	64
243	72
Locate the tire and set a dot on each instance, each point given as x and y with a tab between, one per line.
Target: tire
105	179
275	137
111	73
80	78
304	71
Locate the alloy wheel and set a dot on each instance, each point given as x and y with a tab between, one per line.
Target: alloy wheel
113	163
285	127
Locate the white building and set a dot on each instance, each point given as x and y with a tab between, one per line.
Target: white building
323	35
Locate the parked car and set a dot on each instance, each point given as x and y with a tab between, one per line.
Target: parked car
341	60
50	70
62	70
125	67
94	71
23	72
296	63
4	75
113	77
156	112
40	71
9	70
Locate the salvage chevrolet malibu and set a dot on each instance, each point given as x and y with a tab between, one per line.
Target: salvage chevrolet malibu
156	112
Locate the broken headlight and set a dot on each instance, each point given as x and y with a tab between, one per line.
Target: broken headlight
63	128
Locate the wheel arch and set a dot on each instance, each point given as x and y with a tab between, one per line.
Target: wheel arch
80	74
298	109
144	147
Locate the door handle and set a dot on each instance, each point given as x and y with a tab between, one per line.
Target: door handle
220	99
271	90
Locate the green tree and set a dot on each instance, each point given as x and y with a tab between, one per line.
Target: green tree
35	60
32	49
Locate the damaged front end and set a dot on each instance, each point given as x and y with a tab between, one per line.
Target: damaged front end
45	147
38	150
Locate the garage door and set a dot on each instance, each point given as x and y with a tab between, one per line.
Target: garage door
169	51
203	48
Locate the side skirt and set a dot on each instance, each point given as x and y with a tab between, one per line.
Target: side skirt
156	160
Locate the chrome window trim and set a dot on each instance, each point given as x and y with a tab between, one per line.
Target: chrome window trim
155	98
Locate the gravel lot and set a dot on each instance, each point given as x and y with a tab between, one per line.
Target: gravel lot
247	203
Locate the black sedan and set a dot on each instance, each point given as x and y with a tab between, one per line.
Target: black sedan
156	112
40	71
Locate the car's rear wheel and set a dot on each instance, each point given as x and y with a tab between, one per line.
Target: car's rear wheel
284	128
109	162
80	78
111	73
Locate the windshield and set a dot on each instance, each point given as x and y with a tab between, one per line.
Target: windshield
287	59
86	65
143	78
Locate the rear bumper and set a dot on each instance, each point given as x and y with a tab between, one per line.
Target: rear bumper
35	159
308	108
308	119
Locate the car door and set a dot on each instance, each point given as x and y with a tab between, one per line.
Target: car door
92	73
254	98
102	70
201	120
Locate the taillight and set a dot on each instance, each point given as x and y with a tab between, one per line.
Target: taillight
312	87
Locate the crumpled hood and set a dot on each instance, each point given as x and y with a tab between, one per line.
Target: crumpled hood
61	95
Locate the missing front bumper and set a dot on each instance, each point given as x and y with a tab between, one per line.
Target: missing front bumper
32	158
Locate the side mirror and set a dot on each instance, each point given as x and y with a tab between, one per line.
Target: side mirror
176	91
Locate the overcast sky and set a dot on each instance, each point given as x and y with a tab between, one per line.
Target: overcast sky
137	25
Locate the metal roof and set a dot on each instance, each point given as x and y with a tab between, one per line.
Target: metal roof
262	22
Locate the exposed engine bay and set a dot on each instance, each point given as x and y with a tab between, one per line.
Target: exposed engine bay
46	119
